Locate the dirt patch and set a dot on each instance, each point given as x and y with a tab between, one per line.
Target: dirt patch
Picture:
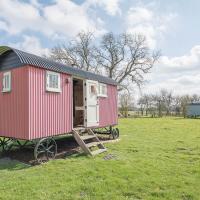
110	157
66	146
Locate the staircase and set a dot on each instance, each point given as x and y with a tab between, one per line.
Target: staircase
88	141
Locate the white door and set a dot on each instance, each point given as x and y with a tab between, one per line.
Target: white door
92	103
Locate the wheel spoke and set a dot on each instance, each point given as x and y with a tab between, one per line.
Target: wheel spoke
51	153
47	143
42	146
50	147
39	152
45	149
6	143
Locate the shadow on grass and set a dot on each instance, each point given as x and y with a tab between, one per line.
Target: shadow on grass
17	159
155	117
181	118
77	155
12	165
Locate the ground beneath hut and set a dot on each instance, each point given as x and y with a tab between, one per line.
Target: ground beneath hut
67	146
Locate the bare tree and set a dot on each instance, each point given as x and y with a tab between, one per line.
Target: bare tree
159	104
195	98
152	105
184	102
167	99
165	103
125	103
125	58
79	52
177	105
141	103
145	103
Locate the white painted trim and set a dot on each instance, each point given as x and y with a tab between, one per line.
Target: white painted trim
89	104
85	102
50	89
10	82
100	90
72	99
77	77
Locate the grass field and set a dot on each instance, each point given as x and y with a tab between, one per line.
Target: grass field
155	159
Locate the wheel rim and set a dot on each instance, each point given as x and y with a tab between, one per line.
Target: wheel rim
114	133
117	131
45	150
6	144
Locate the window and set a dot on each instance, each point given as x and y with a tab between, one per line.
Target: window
53	82
102	90
93	89
6	82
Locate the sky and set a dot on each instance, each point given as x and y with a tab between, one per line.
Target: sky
170	26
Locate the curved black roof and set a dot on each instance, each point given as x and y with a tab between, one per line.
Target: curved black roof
12	58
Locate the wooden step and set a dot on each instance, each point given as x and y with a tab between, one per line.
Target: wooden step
79	129
81	140
98	151
87	137
92	144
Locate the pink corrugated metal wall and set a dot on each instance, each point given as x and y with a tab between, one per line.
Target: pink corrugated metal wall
14	105
108	114
50	113
29	112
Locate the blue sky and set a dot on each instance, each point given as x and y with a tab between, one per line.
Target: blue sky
171	26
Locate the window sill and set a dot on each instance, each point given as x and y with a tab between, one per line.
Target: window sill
6	91
53	90
104	96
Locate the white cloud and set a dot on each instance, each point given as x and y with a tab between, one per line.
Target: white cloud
35	3
64	18
181	84
112	7
3	26
148	22
30	44
18	15
187	62
139	15
69	18
178	74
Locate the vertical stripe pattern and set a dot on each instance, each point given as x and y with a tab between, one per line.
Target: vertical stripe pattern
50	113
30	112
14	105
108	107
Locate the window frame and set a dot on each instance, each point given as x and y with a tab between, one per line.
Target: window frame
93	89
101	85
8	89
53	89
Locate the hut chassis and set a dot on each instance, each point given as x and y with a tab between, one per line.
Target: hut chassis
45	149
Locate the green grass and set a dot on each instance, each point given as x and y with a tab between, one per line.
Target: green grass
155	159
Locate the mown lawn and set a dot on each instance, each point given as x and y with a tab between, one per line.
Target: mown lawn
155	159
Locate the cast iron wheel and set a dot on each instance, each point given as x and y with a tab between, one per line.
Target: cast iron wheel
114	133
6	143
45	150
117	130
